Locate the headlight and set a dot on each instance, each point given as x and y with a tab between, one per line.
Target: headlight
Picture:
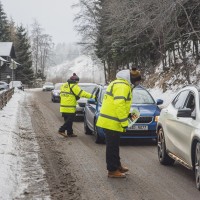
156	118
56	93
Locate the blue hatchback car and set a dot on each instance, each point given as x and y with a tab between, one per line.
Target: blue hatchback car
145	126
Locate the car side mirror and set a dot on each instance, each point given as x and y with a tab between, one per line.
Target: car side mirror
186	112
159	101
91	101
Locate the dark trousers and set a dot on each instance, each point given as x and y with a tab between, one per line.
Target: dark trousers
67	126
112	150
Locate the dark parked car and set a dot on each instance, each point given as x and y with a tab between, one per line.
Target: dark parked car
48	86
4	85
145	126
55	94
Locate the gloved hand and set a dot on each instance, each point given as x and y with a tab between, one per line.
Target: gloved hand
132	116
129	115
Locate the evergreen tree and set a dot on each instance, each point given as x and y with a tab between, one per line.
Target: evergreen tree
24	72
4	26
12	31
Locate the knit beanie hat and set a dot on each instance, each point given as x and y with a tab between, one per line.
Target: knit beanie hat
135	76
74	78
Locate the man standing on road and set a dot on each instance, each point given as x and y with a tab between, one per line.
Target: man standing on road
69	94
113	118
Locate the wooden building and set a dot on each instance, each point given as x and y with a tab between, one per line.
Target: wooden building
7	54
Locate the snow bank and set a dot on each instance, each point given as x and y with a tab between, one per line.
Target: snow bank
8	147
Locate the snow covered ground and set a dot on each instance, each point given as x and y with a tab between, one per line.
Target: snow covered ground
16	133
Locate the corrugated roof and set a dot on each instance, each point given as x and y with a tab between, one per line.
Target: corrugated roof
5	48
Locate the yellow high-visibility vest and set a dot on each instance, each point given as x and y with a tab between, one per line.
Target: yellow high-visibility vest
116	106
68	100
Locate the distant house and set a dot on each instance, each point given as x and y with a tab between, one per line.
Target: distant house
7	54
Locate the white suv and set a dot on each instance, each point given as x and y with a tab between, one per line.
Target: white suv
178	131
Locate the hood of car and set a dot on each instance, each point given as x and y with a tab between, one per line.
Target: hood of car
147	110
56	91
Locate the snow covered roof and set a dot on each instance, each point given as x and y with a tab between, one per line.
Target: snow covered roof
7	49
2	59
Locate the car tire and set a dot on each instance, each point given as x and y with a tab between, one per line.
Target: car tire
86	128
197	165
98	139
163	157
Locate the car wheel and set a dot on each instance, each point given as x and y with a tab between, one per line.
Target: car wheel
197	165
98	139
162	154
86	128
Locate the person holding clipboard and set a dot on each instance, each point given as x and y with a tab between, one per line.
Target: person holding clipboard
113	118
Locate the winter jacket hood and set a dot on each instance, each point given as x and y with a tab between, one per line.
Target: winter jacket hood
124	74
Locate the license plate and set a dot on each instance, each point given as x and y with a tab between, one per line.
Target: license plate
136	127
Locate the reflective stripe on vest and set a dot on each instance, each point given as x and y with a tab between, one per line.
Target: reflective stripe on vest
119	97
66	93
80	93
113	118
67	106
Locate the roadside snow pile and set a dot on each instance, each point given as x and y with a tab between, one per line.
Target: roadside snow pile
9	147
85	67
20	169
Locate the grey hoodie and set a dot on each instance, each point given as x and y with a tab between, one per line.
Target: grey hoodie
124	74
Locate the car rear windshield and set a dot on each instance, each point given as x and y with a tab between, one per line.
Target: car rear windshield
141	96
16	83
87	88
48	83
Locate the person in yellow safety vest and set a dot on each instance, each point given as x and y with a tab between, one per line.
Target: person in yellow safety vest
113	118
69	94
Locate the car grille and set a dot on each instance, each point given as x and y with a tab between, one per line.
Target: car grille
137	133
81	104
144	120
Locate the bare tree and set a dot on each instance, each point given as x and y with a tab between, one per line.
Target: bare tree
42	46
36	34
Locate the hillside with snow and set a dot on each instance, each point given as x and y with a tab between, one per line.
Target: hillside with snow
88	69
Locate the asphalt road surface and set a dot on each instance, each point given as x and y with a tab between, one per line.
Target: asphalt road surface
75	168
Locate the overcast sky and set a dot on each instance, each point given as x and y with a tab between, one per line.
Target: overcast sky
55	16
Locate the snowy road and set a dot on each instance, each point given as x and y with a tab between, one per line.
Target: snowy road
74	168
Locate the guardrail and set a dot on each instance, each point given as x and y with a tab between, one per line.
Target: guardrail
5	96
